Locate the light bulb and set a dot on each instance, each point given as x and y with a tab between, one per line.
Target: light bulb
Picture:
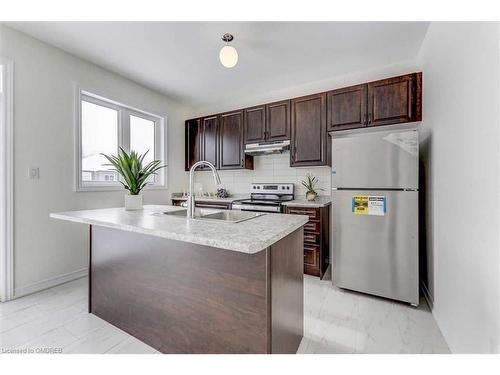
228	56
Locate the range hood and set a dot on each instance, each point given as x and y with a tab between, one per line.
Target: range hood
267	148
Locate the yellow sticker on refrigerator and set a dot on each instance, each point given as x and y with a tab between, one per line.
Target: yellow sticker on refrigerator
369	205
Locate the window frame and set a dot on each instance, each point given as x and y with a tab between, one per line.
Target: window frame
124	111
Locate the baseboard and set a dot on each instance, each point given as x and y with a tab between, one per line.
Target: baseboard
427	295
50	282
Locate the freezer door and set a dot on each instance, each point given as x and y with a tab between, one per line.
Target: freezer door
375	160
376	254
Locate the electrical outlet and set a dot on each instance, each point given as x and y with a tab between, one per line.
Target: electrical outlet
34	173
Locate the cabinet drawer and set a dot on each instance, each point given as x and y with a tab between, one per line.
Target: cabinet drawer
313	213
311	255
312	227
311	238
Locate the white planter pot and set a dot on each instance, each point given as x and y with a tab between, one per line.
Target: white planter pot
133	202
311	196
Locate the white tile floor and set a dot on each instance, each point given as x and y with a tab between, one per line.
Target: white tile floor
335	321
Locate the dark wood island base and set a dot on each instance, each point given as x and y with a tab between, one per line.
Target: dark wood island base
180	297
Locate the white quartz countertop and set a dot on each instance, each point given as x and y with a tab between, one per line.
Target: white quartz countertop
250	236
320	201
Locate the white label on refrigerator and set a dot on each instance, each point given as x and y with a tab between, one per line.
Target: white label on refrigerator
369	205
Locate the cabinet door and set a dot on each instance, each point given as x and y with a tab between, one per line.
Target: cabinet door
210	127
193	142
395	100
347	108
231	153
278	121
308	125
255	124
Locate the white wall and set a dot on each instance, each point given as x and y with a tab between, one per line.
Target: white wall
44	137
460	152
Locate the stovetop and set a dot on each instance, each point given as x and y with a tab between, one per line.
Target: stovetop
269	194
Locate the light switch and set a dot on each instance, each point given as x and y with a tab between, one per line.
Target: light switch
34	173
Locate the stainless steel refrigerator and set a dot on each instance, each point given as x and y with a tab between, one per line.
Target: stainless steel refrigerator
375	212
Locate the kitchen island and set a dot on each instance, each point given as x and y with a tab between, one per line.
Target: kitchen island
197	286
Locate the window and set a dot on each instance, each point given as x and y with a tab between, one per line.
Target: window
103	126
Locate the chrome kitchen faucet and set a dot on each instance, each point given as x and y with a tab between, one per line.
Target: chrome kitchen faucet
190	198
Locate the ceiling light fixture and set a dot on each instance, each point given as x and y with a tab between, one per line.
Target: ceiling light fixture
228	55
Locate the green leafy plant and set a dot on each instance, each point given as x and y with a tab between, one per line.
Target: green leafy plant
310	184
130	167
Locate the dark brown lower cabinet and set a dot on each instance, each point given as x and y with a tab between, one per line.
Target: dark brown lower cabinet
316	238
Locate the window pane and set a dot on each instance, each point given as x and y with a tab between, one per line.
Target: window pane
142	137
99	134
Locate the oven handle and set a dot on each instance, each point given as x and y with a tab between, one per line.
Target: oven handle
249	207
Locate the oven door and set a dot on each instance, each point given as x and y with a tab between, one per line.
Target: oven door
255	207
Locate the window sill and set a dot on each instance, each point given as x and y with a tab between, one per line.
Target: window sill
85	189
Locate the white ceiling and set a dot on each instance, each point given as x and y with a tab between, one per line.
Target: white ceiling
180	59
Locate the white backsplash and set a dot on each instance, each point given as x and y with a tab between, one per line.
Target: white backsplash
267	168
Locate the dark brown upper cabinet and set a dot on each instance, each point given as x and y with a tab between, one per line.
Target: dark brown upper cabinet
231	148
255	124
278	121
210	127
267	123
347	108
201	141
309	136
193	142
395	100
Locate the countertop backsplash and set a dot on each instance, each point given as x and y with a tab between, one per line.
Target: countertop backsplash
267	168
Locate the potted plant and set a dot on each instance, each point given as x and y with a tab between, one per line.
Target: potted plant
310	184
134	174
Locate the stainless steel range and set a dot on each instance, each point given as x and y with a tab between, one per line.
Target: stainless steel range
266	198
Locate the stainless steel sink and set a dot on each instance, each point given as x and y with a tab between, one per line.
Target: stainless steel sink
180	213
232	216
226	215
